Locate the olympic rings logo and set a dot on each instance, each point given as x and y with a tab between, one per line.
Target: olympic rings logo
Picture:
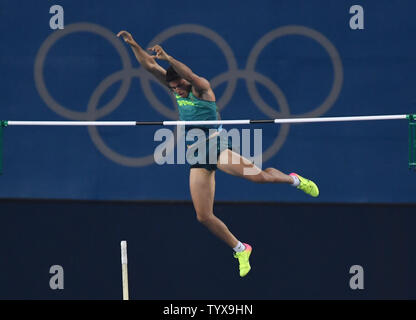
231	76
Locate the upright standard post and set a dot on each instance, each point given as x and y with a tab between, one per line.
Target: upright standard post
412	142
2	124
1	150
124	273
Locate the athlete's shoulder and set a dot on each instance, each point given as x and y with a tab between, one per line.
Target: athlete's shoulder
205	95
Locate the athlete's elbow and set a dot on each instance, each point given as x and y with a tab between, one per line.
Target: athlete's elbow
148	66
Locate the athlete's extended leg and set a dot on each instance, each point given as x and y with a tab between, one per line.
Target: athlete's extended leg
202	185
234	164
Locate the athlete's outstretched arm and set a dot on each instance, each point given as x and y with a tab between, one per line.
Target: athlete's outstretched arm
184	71
145	59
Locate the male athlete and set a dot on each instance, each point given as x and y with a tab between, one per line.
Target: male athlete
196	101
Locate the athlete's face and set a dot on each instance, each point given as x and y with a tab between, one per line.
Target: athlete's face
180	87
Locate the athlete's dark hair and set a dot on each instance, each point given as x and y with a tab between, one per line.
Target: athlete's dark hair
171	74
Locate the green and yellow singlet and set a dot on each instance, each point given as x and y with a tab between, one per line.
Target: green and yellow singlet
191	109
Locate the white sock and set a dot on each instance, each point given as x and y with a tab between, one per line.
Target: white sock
240	247
296	180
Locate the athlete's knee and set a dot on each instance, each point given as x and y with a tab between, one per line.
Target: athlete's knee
204	217
261	177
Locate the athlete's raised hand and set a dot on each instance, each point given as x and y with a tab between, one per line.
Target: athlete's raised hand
127	37
159	53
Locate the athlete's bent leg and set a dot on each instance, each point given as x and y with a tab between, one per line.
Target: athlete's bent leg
232	163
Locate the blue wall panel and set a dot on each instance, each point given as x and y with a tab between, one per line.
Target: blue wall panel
370	71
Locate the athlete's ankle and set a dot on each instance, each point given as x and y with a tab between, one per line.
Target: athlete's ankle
295	180
239	247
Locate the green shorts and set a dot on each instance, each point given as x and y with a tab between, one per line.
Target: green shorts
222	143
